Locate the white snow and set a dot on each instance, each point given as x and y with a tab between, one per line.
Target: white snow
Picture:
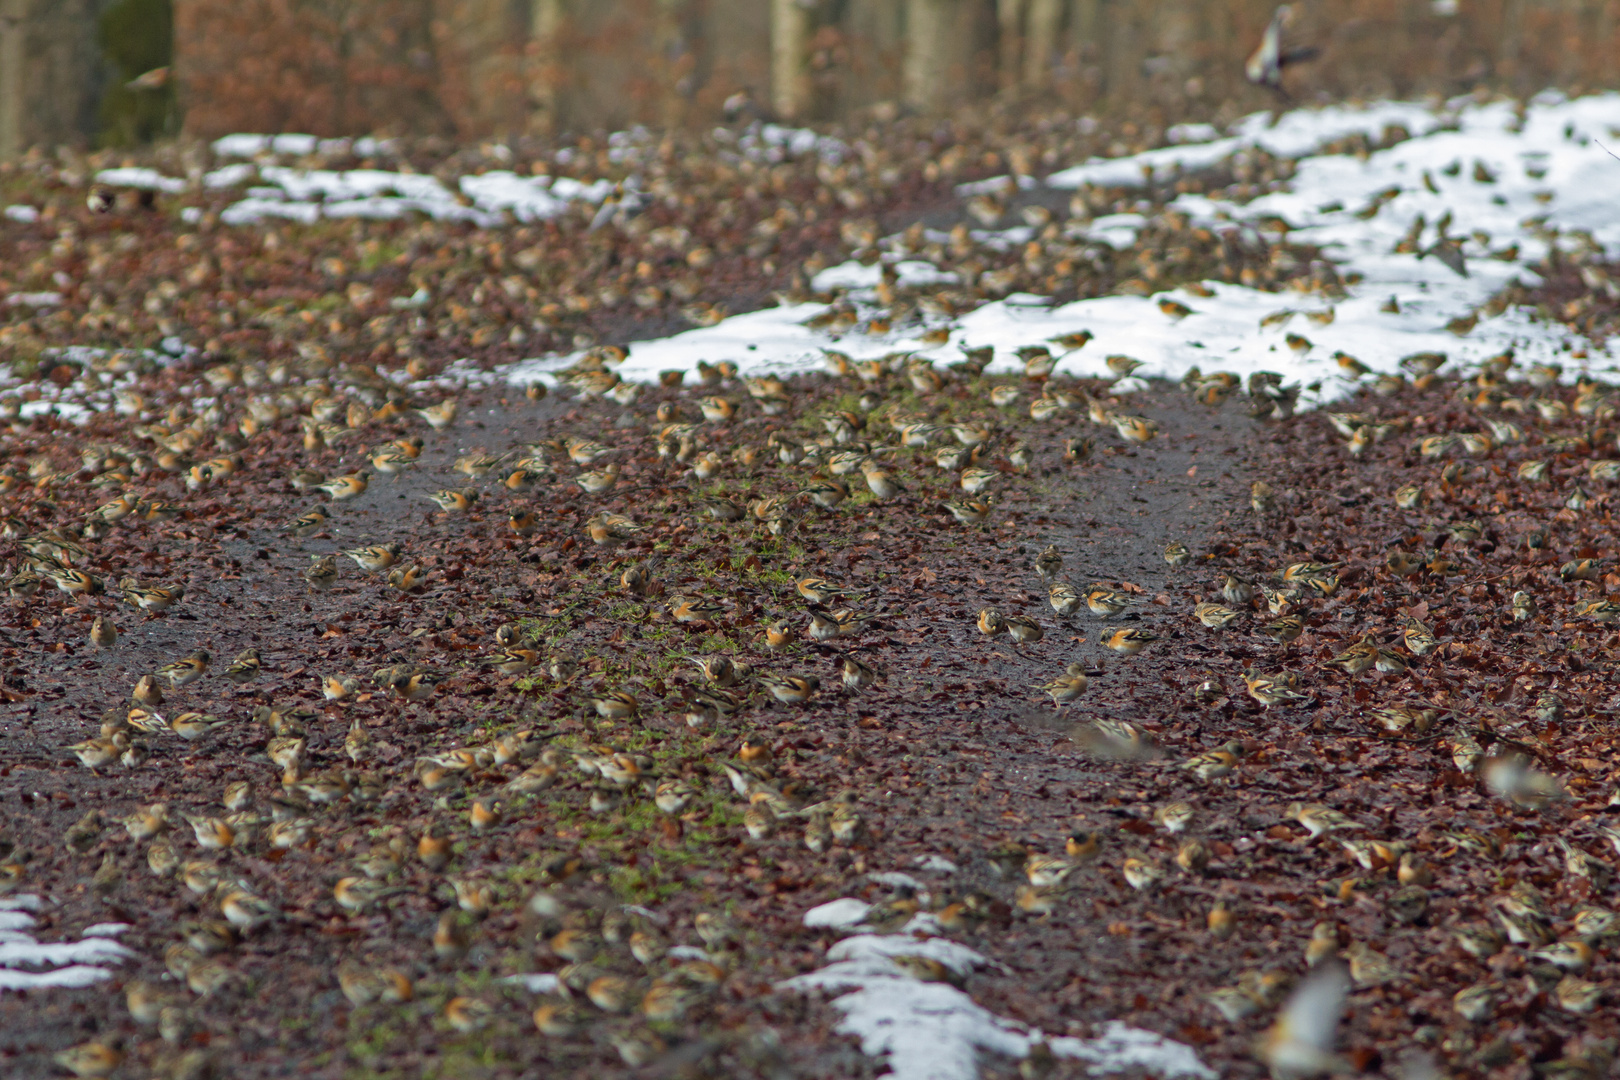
933	1031
1547	172
27	964
22	212
843	912
229	176
137	177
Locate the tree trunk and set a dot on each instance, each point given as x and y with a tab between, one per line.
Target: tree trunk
1010	40
1040	41
790	46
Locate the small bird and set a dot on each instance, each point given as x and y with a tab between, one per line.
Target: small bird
1272	690
186	671
1049	564
1216	616
451	500
1176	553
103	634
1107	602
1022	629
1064	598
1318	819
790	689
1129	641
375	558
1068	686
90	1059
1299	1044
991	622
245	668
307	525
322	572
406	578
341	488
439	416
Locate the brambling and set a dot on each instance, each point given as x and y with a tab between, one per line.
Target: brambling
790	689
615	704
307	525
103	634
1318	819
821	591
1127	641
338	687
322	572
694	610
1522	606
826	492
1193	856
857	675
151	599
420	686
391	461
778	637
1065	600
561	666
1107	602
1135	430
192	726
452	501
1023	630
1269	691
154	512
1237	591
1214	764
341	488
356	894
75	582
1079	450
512	661
1284	630
406	578
439	416
969	511
375	558
882	483
991	622
718	669
523	521
91	1059
605	528
245	668
1174	817
1049	563
1299	1043
1215	616
1142	874
1358	657
95	753
1399	719
186	671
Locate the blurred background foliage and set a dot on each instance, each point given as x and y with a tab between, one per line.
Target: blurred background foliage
137	38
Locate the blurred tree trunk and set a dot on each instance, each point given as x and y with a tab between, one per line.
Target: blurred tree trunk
12	87
1040	40
790	51
545	53
1010	40
928	54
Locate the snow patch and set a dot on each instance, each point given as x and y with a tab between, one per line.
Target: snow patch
933	1031
844	912
65	963
136	177
22	212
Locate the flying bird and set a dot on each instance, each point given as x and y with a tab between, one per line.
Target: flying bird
1265	67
